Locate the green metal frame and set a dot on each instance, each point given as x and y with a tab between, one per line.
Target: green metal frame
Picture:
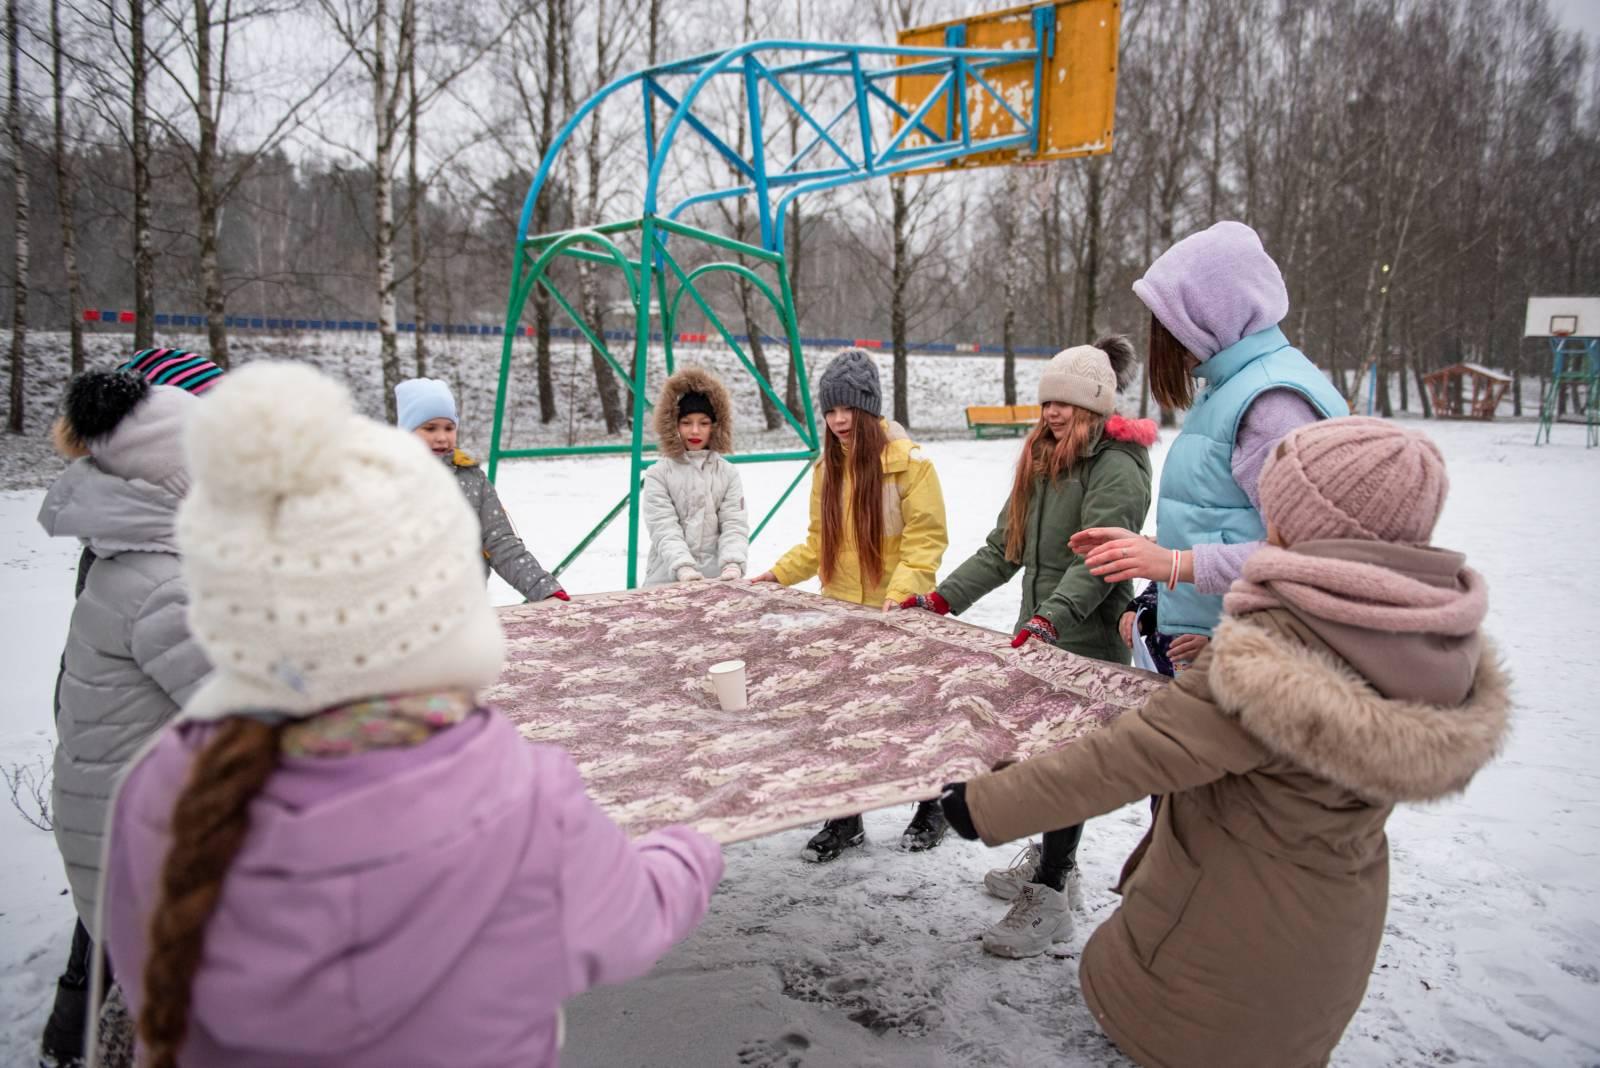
1575	361
652	265
868	133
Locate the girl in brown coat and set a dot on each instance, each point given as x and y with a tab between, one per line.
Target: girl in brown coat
1348	675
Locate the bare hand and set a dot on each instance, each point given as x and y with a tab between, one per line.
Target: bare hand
890	604
1187	647
765	576
1121	559
1085	541
1125	628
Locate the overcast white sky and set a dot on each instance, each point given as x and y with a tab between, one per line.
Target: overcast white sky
1583	15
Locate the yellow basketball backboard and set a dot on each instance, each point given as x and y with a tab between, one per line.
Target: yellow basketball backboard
1079	79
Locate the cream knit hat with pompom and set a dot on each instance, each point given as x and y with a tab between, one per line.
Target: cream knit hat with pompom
328	557
1081	375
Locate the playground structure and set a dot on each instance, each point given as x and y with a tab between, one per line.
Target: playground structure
1025	84
1448	390
1572	325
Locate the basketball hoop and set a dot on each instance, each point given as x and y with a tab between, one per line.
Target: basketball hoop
1563	325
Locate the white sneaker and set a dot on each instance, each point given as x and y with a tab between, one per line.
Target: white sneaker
1007	883
1074	884
1038	918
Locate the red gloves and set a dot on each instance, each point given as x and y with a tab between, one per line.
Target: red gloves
1037	627
561	595
932	602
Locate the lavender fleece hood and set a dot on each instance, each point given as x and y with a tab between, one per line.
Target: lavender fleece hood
423	906
1215	287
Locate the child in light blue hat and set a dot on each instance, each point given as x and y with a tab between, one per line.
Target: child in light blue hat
427	408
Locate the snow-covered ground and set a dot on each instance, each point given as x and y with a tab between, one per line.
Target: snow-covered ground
1491	955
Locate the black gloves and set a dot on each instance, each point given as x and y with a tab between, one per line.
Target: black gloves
953	800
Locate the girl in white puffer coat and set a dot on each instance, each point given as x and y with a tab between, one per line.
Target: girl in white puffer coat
692	499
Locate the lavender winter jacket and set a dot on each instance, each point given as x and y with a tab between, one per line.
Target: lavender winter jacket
424	906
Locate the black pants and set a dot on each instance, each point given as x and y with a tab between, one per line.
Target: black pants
68	1024
1060	854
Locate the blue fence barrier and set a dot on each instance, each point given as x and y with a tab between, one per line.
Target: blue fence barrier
335	324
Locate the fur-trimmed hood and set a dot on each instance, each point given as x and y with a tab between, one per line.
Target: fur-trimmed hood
693	380
1309	706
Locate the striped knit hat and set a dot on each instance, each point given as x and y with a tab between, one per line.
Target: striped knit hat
174	367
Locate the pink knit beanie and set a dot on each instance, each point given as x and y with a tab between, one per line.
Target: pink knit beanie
1354	478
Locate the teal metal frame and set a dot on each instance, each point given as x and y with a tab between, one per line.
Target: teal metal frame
831	158
1575	361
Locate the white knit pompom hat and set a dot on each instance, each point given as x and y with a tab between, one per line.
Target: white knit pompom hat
328	557
1081	375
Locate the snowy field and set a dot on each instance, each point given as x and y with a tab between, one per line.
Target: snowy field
1491	956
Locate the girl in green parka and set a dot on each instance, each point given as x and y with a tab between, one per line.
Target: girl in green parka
1082	466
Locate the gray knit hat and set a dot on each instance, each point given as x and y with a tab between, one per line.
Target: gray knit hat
851	381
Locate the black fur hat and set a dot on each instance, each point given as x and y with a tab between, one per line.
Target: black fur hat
95	403
1124	361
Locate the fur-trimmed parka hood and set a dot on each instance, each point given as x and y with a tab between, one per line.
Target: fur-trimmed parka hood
1309	706
693	380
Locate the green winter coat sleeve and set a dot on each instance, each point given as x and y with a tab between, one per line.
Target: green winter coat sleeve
1117	494
984	570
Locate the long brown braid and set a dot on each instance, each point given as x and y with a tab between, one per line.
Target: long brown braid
210	820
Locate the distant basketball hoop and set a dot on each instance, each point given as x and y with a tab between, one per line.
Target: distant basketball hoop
1572	326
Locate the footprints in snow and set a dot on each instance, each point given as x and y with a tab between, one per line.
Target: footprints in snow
781	1052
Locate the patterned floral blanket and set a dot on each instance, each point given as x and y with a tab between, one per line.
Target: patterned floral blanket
851	709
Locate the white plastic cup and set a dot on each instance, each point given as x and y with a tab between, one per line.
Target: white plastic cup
727	679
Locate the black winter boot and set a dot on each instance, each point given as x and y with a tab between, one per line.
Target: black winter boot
62	1044
835	837
926	828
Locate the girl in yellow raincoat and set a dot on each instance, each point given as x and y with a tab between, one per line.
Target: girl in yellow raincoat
877	535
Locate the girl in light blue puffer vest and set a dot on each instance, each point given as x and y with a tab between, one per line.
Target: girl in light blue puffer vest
1216	299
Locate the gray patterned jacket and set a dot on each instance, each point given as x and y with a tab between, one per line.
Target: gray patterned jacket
502	549
130	661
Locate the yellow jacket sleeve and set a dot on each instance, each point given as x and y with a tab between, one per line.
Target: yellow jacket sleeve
800	562
925	538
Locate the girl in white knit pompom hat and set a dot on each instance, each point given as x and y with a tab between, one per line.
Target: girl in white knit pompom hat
338	856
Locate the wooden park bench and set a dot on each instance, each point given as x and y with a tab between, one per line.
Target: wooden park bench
1009	419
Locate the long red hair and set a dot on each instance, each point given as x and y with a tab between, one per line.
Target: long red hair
865	459
1053	457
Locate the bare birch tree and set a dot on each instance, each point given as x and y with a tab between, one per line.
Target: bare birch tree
207	78
144	258
383	41
613	29
65	192
19	178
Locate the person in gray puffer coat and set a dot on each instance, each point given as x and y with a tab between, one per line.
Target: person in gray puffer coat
427	408
130	661
693	501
